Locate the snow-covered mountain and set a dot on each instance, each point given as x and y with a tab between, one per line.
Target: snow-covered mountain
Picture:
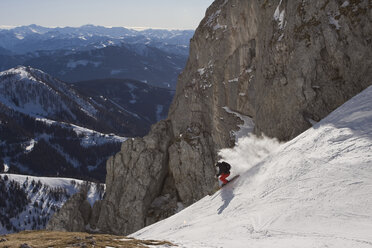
313	191
33	37
35	93
50	128
94	52
39	95
27	202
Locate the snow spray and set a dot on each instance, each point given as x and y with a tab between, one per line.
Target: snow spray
248	152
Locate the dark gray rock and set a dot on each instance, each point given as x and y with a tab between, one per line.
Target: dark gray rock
319	59
25	246
134	179
95	216
73	216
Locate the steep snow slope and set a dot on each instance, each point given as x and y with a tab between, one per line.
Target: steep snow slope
33	200
314	191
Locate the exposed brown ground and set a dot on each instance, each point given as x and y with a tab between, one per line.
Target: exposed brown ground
46	239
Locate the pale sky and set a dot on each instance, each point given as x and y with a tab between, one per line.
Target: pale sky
174	14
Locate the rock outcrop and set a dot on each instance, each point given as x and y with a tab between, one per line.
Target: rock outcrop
282	63
73	216
134	179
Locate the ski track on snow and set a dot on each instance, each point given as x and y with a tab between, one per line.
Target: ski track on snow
313	191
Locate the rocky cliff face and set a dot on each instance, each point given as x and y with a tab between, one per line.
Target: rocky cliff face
284	64
133	179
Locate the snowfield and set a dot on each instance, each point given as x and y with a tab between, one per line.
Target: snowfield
313	191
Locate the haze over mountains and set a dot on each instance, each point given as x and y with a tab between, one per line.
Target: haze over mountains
95	52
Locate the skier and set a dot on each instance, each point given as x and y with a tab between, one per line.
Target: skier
224	172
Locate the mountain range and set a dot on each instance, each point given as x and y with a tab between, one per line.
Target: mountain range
24	39
94	52
49	127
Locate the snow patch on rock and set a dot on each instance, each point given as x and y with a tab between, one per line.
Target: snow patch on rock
279	16
246	128
334	22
